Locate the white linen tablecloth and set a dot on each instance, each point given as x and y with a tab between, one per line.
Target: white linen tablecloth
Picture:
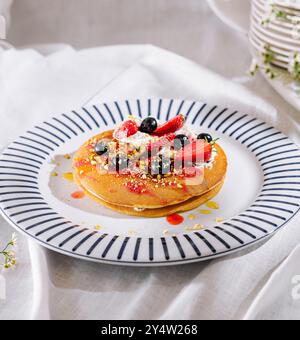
257	283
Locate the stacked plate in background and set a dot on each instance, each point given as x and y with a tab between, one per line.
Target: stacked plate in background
279	35
275	26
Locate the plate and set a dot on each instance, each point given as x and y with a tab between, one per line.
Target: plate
260	196
236	14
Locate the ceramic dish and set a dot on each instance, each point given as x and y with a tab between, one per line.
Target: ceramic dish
237	15
261	193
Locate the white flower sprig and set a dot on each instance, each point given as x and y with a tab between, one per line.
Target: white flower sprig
294	66
273	13
254	67
267	57
8	254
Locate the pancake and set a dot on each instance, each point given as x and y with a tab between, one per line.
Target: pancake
188	205
123	193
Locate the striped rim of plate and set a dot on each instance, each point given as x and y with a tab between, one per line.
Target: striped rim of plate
29	211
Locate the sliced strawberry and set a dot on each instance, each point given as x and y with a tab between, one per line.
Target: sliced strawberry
155	147
207	152
168	138
127	129
170	127
198	151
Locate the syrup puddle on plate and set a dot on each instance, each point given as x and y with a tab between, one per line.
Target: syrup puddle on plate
176	219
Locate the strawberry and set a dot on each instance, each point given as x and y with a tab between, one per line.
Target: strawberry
127	129
155	147
197	151
170	127
168	138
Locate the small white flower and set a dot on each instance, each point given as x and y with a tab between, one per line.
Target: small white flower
254	67
8	254
14	239
266	20
294	65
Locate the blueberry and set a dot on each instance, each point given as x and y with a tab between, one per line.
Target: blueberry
181	141
101	148
205	136
149	125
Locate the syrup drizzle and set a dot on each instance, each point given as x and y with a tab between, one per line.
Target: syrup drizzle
77	195
175	219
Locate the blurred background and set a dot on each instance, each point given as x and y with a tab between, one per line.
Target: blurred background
189	28
186	27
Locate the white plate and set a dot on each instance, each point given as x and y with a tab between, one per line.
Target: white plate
236	14
274	39
280	24
261	192
294	7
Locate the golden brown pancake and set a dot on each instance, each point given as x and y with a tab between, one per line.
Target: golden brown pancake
188	205
177	193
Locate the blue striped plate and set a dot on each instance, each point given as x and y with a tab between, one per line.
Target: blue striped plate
260	196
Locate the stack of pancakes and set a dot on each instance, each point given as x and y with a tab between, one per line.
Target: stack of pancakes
168	196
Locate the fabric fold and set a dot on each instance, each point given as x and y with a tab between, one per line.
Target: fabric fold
34	87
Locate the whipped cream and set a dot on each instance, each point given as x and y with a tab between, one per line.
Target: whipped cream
141	139
137	140
139	209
